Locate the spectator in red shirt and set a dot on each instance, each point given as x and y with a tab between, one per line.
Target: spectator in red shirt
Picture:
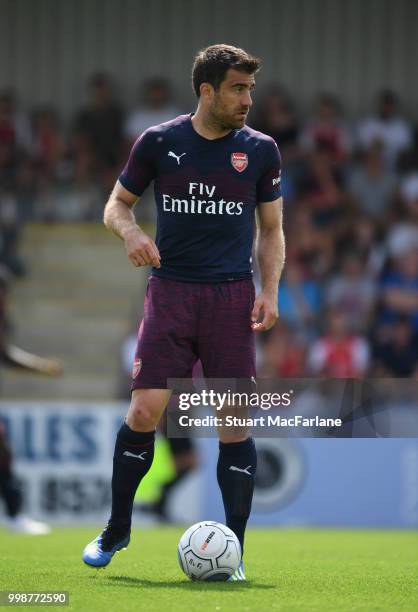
327	129
339	353
284	353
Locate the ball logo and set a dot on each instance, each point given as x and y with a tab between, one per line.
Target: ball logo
239	161
136	368
206	542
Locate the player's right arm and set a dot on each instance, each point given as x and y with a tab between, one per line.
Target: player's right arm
118	215
120	219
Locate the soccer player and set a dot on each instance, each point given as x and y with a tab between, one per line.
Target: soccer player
211	173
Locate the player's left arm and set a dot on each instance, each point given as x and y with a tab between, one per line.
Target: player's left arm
270	253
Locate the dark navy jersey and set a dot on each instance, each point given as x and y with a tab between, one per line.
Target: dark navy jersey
206	192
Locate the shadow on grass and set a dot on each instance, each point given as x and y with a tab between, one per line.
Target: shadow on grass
187	585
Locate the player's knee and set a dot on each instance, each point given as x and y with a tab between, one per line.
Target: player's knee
142	417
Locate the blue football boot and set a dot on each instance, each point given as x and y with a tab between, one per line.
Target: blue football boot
239	574
100	551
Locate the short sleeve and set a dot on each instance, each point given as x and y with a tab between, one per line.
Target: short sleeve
140	168
269	184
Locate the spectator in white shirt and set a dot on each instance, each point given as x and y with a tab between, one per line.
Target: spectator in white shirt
387	127
372	185
157	107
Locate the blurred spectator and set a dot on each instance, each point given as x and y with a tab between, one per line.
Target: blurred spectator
397	353
339	353
409	189
327	130
276	117
386	127
403	235
361	236
353	293
79	197
400	290
99	126
82	197
48	146
26	187
10	232
15	134
284	353
372	185
322	190
299	298
4	315
157	106
313	249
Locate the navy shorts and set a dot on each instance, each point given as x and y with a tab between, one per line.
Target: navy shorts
184	322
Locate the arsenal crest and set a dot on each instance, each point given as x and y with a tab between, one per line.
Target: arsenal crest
239	161
136	368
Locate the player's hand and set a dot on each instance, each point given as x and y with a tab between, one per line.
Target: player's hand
17	357
265	307
49	367
141	249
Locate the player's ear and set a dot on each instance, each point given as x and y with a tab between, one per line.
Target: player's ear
206	91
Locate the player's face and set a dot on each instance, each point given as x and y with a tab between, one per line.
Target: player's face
230	104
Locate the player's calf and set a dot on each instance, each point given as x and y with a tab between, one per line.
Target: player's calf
236	469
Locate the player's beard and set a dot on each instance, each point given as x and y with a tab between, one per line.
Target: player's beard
222	120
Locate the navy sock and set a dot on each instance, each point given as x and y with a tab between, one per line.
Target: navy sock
237	465
134	452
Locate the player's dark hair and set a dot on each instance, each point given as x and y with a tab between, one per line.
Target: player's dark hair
211	65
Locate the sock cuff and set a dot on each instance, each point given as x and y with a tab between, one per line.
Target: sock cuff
135	438
236	447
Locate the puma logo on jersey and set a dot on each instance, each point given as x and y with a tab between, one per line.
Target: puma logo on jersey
171	154
233	468
140	456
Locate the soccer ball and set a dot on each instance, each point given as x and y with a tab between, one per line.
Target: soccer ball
209	551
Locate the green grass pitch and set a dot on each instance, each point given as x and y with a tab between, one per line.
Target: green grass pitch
288	570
